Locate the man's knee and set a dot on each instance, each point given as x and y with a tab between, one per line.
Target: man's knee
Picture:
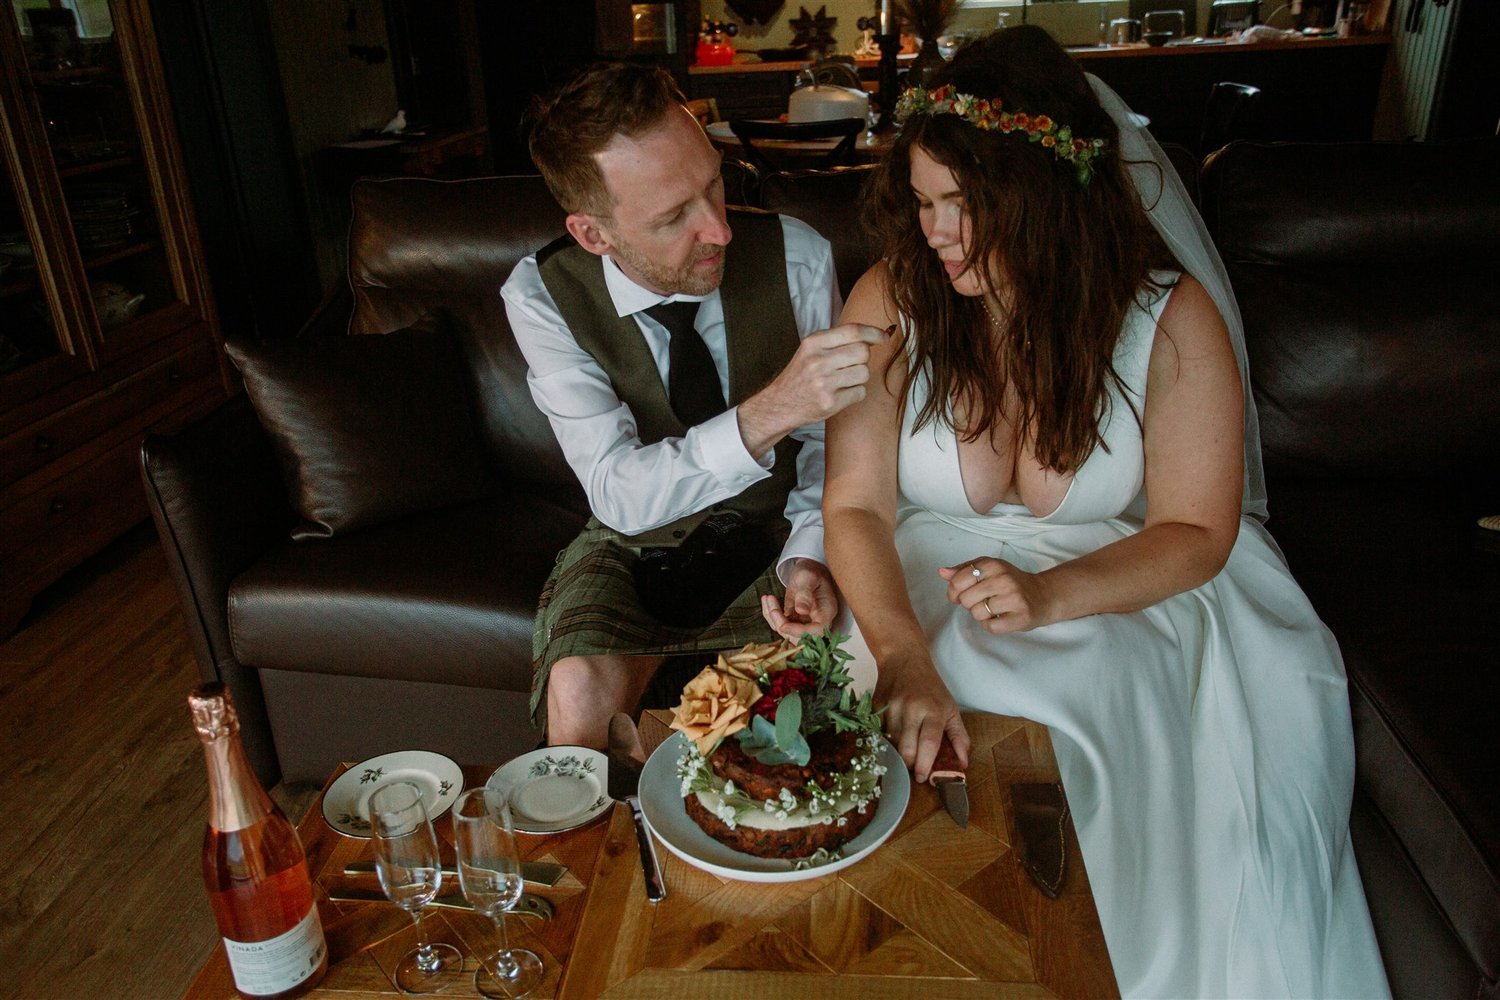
596	675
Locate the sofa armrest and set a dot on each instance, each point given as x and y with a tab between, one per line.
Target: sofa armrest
216	494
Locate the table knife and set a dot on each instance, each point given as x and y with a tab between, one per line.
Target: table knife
625	759
947	776
540	872
529	905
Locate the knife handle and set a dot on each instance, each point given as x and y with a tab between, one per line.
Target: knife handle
946	764
656	889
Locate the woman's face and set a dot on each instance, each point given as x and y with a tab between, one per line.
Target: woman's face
944	220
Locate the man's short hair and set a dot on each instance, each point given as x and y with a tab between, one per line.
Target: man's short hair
571	126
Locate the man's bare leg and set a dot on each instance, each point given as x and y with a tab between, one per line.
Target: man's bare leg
584	691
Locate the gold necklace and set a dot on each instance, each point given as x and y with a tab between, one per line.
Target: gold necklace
995	320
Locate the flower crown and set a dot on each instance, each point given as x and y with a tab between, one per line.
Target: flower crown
986	114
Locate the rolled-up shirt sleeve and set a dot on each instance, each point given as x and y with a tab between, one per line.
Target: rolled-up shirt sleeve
815	301
635	487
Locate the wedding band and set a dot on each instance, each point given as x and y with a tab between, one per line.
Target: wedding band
986	603
975	570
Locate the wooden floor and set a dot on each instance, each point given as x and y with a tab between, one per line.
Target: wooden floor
105	797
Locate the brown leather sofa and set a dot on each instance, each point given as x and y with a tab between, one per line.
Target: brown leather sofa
1367	277
1373	319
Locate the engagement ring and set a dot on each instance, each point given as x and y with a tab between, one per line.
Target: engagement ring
975	570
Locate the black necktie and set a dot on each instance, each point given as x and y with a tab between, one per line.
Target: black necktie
691	375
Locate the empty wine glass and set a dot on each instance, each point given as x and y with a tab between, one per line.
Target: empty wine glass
489	869
410	869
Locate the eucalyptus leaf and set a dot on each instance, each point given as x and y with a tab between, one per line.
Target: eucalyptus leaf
772	756
788	719
799	753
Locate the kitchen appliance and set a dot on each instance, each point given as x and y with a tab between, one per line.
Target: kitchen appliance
635	29
1124	31
1161	26
1229	16
821	102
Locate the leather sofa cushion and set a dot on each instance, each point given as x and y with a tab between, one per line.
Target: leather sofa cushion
447	596
366	429
1371	309
1410	586
433	254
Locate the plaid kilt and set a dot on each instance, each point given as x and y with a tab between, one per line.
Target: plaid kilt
589	607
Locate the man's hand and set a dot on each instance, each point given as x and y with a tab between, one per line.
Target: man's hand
828	372
919	712
811	602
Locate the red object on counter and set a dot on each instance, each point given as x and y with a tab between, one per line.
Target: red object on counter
715	47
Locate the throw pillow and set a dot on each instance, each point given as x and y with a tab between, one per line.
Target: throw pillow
368	427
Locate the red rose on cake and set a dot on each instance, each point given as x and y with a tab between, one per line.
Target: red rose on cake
784	759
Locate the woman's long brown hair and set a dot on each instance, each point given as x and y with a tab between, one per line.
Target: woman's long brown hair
1069	260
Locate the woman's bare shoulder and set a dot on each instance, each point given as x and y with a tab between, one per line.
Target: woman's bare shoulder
870	300
1190	311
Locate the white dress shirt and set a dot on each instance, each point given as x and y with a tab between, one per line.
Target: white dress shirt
634	487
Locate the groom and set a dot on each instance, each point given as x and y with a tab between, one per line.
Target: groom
682	355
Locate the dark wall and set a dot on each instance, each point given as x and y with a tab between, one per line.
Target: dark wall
528	48
220	67
1467	105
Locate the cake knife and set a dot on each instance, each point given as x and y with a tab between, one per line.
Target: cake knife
947	776
626	755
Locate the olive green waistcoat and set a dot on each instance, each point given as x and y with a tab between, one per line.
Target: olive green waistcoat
761	333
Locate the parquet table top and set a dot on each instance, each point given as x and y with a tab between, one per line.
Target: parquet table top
937	912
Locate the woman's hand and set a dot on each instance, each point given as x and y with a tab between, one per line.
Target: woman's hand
919	712
1001	597
811	602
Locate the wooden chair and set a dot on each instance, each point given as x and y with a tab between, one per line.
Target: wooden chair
705	109
804	155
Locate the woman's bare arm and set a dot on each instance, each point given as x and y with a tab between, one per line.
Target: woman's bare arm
859	513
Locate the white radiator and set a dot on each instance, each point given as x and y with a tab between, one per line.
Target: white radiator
1420	31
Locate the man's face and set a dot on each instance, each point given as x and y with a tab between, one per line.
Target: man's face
666	228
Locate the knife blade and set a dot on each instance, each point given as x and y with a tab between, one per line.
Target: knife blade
530	905
626	755
538	872
948	777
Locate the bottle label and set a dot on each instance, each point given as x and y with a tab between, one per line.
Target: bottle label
265	968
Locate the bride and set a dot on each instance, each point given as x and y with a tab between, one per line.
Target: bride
1048	505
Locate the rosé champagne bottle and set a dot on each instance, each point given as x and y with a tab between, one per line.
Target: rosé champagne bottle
253	866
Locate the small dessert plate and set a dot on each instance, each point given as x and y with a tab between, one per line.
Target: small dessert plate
555	788
346	804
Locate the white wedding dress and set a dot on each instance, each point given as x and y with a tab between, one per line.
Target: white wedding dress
1204	742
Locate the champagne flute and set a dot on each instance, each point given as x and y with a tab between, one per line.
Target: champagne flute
489	869
410	870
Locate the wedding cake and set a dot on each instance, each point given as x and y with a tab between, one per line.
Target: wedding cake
782	759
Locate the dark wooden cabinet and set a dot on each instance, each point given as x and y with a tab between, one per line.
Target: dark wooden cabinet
107	328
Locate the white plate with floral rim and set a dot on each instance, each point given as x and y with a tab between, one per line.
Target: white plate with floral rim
661	802
555	788
346	804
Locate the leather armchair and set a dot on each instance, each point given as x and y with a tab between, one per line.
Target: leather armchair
411	633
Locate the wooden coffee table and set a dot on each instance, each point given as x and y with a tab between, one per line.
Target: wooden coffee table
937	911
